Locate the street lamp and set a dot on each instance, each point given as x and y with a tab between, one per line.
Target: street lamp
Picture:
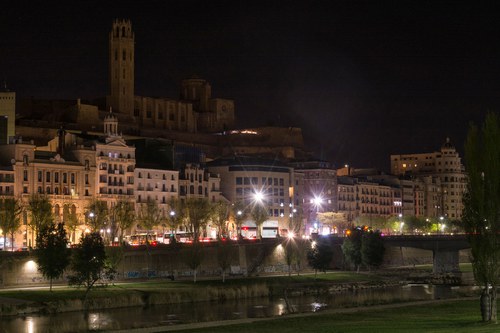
441	225
239	216
317	201
172	224
92	218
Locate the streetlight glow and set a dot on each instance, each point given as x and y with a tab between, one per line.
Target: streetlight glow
258	196
317	201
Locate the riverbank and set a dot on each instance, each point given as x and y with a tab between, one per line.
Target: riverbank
159	292
457	316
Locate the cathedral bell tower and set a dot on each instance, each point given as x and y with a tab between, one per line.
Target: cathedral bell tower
121	67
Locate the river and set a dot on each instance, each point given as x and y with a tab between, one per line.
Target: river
127	318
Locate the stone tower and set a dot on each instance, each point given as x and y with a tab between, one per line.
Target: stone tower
7	114
121	67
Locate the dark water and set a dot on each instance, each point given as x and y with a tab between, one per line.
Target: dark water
165	315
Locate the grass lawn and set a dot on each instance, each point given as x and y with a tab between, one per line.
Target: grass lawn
458	316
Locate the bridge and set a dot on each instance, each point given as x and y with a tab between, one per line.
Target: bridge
445	248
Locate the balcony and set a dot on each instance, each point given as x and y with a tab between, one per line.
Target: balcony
116	184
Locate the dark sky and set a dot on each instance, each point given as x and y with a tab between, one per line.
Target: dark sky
362	79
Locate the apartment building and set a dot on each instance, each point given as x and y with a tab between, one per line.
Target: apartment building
442	177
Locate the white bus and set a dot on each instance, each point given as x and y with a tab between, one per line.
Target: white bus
6	246
270	229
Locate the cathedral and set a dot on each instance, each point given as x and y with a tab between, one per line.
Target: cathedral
195	111
195	118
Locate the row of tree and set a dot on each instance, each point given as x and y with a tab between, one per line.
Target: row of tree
191	214
403	224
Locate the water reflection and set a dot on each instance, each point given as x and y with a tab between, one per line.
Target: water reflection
127	318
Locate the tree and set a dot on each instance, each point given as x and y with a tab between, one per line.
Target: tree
372	249
352	247
302	247
220	215
176	215
481	215
224	255
295	223
124	216
10	211
416	224
320	255
291	252
52	254
97	215
259	215
149	215
197	213
41	214
334	220
71	220
194	257
89	262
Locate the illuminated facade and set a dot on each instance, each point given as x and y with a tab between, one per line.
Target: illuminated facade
156	184
369	198
244	178
319	189
65	181
196	181
442	177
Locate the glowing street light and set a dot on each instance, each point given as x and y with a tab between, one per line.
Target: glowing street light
441	225
258	196
317	201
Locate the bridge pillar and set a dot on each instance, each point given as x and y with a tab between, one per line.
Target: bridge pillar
445	261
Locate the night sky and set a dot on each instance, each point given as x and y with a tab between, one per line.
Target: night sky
362	79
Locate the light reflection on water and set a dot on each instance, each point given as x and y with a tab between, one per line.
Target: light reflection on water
165	315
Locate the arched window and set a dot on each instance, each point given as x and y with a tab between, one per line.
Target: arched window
57	210
200	190
191	189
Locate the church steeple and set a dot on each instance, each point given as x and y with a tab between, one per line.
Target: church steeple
121	67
